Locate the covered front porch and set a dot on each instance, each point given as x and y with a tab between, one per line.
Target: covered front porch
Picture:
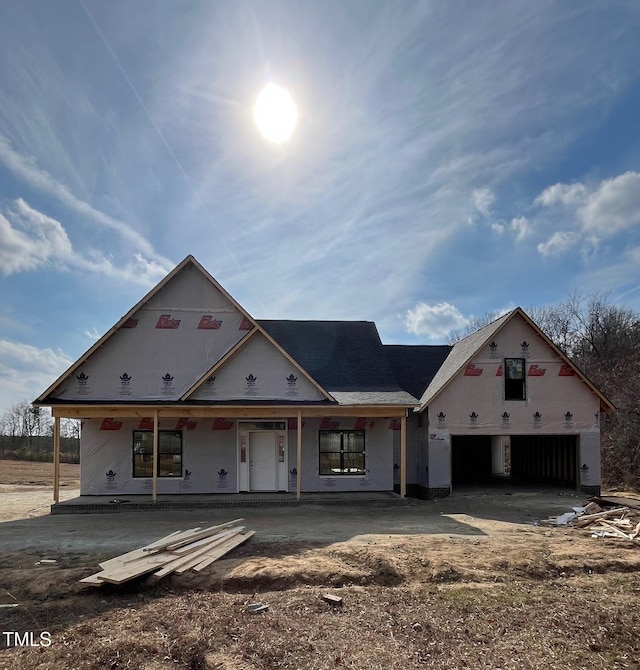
301	469
107	504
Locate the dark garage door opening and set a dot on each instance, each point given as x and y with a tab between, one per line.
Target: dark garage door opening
470	459
549	460
545	459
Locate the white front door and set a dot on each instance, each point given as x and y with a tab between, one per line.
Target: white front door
263	461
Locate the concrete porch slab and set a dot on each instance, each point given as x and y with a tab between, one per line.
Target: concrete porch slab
109	504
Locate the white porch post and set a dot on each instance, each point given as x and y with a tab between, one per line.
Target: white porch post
403	454
155	455
299	456
56	459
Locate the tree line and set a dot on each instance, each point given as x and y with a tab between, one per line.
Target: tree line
603	340
26	434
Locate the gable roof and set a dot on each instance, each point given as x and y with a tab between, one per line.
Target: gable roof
464	350
241	347
248	327
415	365
346	357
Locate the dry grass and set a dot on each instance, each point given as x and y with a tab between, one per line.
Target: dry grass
30	473
536	599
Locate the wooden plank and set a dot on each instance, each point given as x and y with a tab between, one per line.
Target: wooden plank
172	552
331	599
156	456
226	545
299	456
188	548
176	563
604	501
142	567
152	561
56	459
586	519
223	550
92	579
207	532
138	553
615	530
592	508
403	455
235	412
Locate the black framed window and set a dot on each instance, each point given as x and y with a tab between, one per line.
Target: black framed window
342	452
169	453
514	379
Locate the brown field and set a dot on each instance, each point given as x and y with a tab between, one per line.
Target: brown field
33	473
26	487
514	597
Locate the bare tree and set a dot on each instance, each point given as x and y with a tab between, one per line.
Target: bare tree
604	341
475	323
22	426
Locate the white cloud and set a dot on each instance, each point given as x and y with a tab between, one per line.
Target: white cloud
497	227
27	371
35	241
92	334
599	212
613	206
565	194
27	169
434	321
30	240
559	242
482	199
522	227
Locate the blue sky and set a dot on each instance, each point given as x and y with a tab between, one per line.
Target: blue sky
450	158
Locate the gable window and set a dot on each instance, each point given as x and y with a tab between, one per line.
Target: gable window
342	452
169	453
514	379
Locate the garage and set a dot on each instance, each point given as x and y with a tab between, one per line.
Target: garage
545	459
518	459
470	459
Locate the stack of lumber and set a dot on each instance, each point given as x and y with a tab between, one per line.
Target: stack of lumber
602	519
181	551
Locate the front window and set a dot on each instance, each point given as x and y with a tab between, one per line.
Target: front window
342	452
169	453
514	379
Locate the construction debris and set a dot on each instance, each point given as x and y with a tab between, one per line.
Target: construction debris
257	608
47	561
178	552
621	522
336	601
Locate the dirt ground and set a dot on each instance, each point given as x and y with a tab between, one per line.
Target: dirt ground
26	488
465	582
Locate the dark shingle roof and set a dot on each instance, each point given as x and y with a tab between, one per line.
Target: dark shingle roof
416	365
339	355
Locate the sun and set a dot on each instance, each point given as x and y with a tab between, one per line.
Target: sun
275	114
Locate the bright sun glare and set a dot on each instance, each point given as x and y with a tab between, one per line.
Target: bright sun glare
275	114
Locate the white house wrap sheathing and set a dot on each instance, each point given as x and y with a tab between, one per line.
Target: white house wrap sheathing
258	371
164	348
557	402
211	456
